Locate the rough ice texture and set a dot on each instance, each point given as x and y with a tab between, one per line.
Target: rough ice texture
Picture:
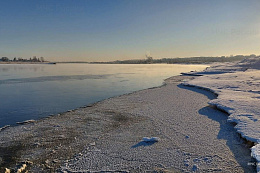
238	88
151	139
107	136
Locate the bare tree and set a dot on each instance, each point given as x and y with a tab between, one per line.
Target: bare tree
5	59
42	59
34	59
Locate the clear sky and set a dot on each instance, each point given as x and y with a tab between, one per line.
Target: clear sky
103	30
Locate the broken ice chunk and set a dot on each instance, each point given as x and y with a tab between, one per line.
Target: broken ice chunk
152	139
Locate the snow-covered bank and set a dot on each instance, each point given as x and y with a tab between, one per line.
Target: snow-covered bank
238	88
110	136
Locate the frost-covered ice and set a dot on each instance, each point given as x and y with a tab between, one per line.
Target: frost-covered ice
152	139
193	136
238	88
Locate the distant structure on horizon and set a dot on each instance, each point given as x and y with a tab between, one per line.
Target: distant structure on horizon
149	59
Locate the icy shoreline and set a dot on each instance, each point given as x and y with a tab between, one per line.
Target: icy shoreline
107	136
238	88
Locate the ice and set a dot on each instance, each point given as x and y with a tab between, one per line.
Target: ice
238	88
52	78
152	139
255	154
26	122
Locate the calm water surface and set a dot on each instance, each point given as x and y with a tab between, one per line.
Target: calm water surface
36	91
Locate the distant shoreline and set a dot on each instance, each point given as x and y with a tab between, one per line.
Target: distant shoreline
186	60
11	62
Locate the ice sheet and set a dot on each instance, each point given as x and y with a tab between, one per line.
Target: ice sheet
238	88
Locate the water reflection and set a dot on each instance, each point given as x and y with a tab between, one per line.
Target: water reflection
18	67
35	91
52	78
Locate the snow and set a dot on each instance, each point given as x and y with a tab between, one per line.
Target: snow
238	88
195	168
152	139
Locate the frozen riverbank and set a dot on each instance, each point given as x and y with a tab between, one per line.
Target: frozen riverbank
107	136
238	88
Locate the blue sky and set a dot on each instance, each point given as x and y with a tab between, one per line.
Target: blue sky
101	30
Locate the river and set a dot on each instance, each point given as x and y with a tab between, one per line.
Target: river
34	91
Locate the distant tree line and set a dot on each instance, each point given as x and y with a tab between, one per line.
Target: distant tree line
189	60
19	59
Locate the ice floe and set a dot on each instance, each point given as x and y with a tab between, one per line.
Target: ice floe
152	139
238	88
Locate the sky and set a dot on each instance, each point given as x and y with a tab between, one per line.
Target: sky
106	30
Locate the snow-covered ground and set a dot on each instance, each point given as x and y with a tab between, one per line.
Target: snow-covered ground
238	88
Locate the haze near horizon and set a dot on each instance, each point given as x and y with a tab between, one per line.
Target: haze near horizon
101	30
